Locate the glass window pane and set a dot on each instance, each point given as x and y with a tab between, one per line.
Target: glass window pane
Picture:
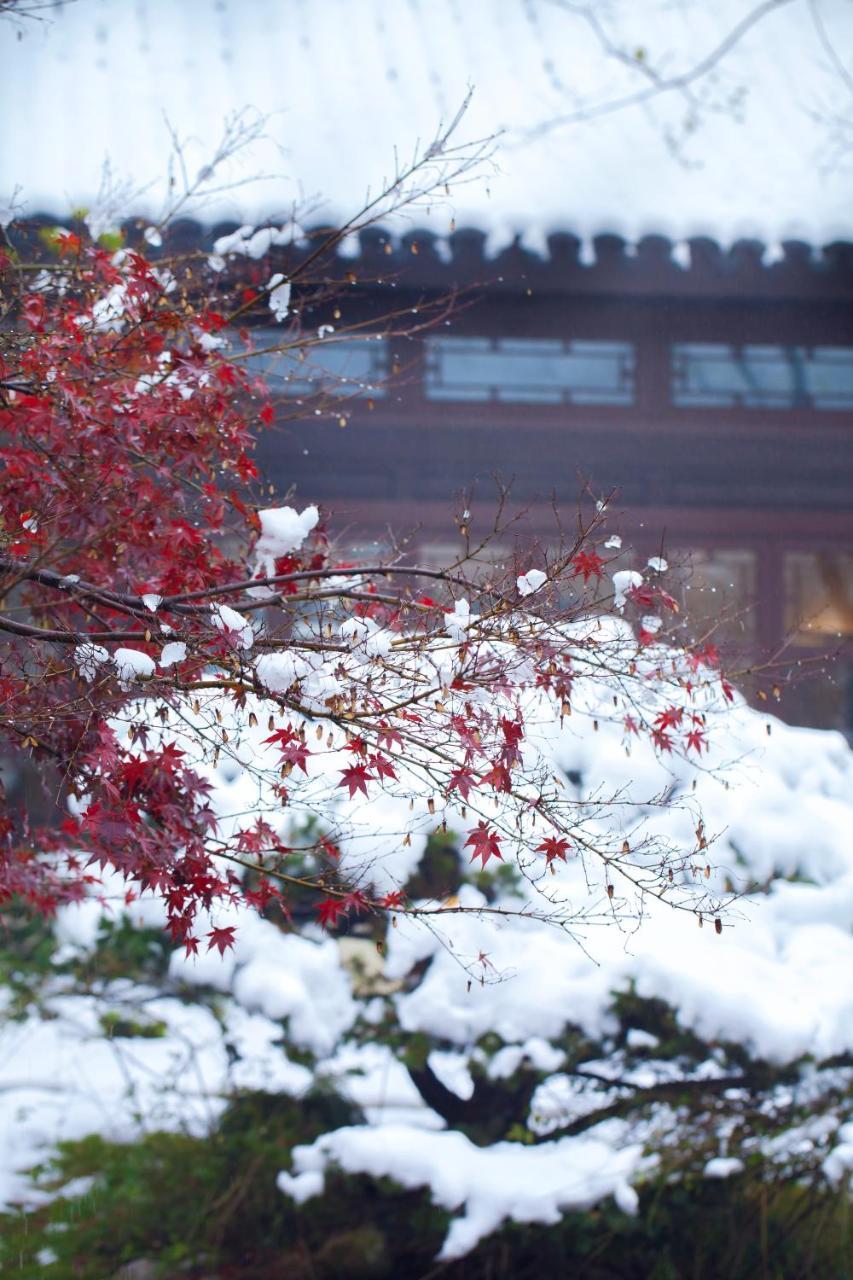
819	595
529	370
349	366
717	588
716	375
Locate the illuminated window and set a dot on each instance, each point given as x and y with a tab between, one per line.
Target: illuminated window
819	595
762	377
717	590
351	366
529	371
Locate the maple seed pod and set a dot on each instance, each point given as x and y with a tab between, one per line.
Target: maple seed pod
196	706
626	848
407	840
718	925
380	946
271	723
610	891
701	921
565	709
595	726
707	871
330	739
431	805
319	734
253	720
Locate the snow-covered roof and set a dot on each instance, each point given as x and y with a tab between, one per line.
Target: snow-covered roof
348	81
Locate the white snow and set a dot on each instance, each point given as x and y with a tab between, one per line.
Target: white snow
723	1167
778	810
531	581
234	624
174	651
400	69
133	665
623	582
279	296
283	530
458	622
88	658
489	1185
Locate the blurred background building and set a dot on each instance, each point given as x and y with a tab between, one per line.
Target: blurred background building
655	275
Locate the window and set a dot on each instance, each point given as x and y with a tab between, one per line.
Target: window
717	588
819	596
529	371
350	366
763	377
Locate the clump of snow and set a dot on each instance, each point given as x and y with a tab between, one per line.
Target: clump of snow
531	581
278	672
838	1165
279	296
490	1185
88	658
623	582
283	530
174	651
723	1167
234	624
657	564
458	622
151	601
133	665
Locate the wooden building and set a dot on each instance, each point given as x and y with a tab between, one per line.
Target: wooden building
713	393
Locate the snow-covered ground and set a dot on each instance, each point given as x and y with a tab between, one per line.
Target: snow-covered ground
776	983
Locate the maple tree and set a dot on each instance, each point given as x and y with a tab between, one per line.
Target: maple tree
161	622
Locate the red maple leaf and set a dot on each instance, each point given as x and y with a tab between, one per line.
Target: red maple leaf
671	718
462	781
222	939
588	563
498	777
328	911
356	779
383	766
293	749
642	595
394	899
696	741
553	847
485	843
